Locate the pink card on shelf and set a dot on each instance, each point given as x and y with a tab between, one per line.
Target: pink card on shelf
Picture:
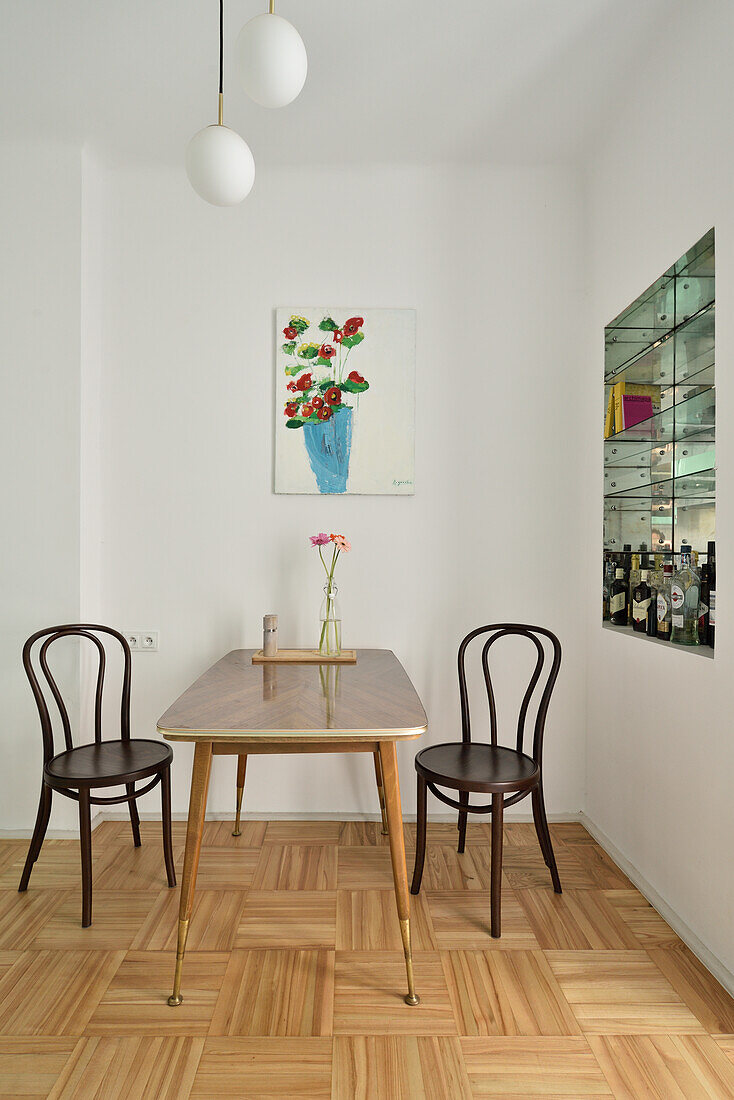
635	409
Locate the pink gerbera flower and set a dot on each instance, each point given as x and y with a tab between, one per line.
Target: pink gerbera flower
341	543
322	539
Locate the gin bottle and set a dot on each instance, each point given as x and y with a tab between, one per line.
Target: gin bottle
619	603
684	594
663	604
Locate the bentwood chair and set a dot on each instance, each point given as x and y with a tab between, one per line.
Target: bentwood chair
75	772
507	774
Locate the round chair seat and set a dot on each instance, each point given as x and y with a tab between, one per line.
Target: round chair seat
108	763
477	766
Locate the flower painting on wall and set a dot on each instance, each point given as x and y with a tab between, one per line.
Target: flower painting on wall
345	408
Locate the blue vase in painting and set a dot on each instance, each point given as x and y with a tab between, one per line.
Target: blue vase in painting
328	444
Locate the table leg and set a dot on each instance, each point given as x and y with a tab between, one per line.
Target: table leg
389	768
381	792
241	766
194	829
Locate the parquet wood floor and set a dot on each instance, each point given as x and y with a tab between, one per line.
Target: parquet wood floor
294	972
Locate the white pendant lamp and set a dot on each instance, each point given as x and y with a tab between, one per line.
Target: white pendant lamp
219	163
271	59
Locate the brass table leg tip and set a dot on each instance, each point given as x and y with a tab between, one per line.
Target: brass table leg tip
385	832
174	1000
238	833
412	999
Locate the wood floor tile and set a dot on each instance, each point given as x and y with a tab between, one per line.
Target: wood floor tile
645	923
461	920
446	833
128	868
133	1068
600	867
303	832
524	868
273	918
116	917
445	869
227	868
367	920
22	916
151	832
276	993
620	992
296	867
58	867
708	1000
135	1002
364	868
7	959
532	1068
369	833
369	989
54	992
664	1067
29	1067
264	1069
570	832
726	1043
212	926
506	993
576	920
13	852
218	834
397	1067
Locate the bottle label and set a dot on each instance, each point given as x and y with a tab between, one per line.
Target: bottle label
676	598
639	610
702	610
662	608
678	621
617	603
712	608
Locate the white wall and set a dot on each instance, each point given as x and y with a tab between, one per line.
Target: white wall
190	539
660	745
39	445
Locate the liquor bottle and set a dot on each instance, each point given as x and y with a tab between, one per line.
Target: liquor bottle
644	556
664	609
607	578
703	606
641	604
711	556
655	578
625	560
618	603
684	592
634	576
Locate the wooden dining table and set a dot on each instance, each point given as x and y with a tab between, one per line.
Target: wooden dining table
238	708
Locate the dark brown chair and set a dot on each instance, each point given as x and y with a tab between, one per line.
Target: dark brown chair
77	771
508	774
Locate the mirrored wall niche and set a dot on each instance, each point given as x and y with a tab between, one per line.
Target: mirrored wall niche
659	446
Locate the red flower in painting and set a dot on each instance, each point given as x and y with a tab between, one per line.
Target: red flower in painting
304	382
355	376
353	325
317	402
291	408
292	387
326	351
338	336
306	409
333	396
290	333
325	413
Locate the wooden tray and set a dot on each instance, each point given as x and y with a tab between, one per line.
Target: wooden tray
305	657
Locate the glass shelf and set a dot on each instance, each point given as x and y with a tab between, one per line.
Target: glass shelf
701	485
694	417
674	355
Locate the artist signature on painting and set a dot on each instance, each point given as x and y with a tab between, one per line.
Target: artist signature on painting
397	483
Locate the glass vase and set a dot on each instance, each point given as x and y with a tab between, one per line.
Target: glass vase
330	638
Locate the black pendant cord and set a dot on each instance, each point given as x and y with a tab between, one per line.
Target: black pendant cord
221	45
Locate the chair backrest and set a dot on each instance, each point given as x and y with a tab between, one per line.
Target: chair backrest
52	634
539	688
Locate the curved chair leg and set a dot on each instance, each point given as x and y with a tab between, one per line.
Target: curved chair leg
166	818
420	840
498	806
544	837
134	816
85	836
464	800
241	768
39	832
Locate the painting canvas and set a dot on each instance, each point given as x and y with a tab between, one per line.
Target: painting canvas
345	406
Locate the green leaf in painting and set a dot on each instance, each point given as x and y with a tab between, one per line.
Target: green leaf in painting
354	387
328	325
289	348
323	362
300	324
294	368
324	386
308	351
352	341
294	423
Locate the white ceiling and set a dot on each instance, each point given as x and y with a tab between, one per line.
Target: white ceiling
405	80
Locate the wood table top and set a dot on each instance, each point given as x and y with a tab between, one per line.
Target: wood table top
236	700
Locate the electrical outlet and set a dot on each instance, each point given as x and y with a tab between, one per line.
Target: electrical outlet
142	640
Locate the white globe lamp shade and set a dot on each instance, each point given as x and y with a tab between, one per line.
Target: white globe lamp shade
271	60
220	166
